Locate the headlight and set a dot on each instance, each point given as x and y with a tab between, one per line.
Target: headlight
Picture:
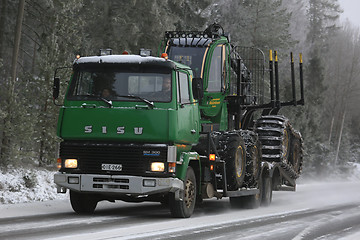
157	167
71	163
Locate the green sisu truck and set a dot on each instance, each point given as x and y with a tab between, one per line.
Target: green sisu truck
190	125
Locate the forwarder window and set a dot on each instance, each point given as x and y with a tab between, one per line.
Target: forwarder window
216	71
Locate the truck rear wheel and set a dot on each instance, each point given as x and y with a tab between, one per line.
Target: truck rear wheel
266	191
184	207
234	154
82	203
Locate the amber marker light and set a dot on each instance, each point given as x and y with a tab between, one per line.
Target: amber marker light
71	163
212	157
172	167
165	56
58	163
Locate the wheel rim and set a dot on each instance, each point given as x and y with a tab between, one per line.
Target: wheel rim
255	161
239	161
189	193
285	145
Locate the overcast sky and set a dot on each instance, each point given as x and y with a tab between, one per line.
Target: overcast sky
351	11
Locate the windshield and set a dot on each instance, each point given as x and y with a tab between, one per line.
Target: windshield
190	56
117	84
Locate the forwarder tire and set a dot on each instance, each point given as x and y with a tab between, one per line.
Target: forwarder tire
184	207
296	156
234	155
82	203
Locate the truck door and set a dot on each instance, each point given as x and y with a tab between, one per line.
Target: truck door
188	113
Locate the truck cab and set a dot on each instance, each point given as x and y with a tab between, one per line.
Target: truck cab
127	124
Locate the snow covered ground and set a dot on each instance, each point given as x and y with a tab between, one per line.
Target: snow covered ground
27	185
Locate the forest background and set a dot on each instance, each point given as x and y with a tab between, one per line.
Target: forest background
39	35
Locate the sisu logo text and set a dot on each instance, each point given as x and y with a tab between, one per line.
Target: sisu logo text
119	130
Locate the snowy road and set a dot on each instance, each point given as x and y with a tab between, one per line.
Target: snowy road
315	211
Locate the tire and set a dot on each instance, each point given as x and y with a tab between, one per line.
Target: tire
266	192
234	155
82	203
296	156
285	144
253	157
275	135
184	207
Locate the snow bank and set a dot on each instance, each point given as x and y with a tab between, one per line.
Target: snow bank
27	185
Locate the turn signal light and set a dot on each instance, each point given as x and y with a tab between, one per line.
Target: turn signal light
212	157
58	163
172	167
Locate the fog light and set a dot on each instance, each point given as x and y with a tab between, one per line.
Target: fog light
149	182
73	180
71	163
157	167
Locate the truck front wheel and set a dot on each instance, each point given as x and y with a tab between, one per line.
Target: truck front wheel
184	207
82	203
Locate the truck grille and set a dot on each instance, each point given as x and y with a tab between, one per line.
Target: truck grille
132	157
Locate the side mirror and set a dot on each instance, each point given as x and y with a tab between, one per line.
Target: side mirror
197	88
56	87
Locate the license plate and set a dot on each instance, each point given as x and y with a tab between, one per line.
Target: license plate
111	167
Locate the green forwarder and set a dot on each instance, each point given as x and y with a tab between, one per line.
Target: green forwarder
141	128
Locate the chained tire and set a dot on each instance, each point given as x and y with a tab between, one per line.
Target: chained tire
233	152
274	133
280	143
253	157
184	207
296	156
83	203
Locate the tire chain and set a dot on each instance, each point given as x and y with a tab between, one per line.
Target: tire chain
279	123
249	137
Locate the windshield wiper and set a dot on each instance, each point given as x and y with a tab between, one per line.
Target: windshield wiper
108	102
150	104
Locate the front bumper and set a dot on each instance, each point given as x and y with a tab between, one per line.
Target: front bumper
117	184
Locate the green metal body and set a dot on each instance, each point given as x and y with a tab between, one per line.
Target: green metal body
171	123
